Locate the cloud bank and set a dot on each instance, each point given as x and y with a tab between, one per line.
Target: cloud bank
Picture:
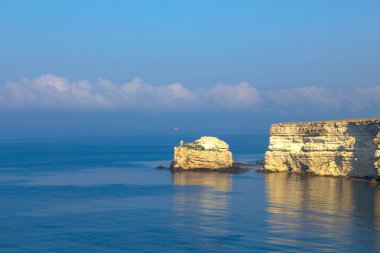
49	91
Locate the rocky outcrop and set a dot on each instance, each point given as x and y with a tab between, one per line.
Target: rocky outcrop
338	148
205	153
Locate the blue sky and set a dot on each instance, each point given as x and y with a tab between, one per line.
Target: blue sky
274	60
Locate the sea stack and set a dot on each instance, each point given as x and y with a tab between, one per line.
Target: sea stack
337	148
205	153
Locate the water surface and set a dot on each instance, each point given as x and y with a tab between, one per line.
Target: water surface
102	194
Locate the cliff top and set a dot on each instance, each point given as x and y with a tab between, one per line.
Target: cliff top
359	120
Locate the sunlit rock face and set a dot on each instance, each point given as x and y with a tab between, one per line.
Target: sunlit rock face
207	152
338	148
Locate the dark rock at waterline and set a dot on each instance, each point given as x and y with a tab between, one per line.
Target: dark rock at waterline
231	169
239	164
262	170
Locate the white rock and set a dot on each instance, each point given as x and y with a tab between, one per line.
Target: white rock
338	148
207	152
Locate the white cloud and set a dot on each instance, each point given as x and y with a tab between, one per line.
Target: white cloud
49	91
319	99
53	91
241	95
301	98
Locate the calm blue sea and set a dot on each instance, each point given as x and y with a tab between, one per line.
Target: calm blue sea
103	194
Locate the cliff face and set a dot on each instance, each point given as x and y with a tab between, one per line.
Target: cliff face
338	148
207	152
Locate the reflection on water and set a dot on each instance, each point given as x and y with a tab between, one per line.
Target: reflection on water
203	210
217	181
323	210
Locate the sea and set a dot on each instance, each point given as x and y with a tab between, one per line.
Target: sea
102	193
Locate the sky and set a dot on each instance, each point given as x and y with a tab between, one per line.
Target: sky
200	66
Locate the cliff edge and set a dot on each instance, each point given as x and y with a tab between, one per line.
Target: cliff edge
338	148
204	153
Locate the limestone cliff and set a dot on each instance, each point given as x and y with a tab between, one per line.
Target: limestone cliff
207	152
338	148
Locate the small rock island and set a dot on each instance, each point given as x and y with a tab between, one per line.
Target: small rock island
336	148
205	153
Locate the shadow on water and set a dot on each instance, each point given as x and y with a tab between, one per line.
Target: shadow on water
201	212
322	213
